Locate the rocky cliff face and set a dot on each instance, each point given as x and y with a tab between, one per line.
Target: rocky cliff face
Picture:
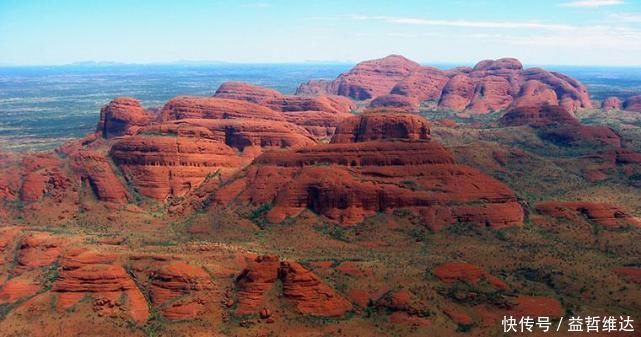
492	85
121	116
632	104
378	163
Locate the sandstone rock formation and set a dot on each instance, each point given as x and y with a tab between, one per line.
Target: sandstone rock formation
37	250
279	102
254	282
606	215
95	168
122	116
179	290
104	282
368	79
43	174
377	163
194	107
379	126
162	166
16	289
632	104
542	115
492	85
309	294
611	103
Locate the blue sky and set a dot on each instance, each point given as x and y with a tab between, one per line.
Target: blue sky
579	32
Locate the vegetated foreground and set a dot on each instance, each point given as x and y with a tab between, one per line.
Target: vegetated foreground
396	200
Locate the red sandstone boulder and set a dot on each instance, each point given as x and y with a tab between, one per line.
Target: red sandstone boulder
319	124
377	163
81	257
323	179
378	126
493	93
457	93
424	84
161	166
254	282
500	64
309	294
37	249
570	92
94	167
492	85
611	103
367	79
184	286
107	284
542	115
632	104
16	289
279	102
121	116
247	92
43	175
194	107
608	216
237	133
535	94
303	288
314	88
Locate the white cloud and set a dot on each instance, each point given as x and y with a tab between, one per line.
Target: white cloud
592	38
627	18
467	23
591	3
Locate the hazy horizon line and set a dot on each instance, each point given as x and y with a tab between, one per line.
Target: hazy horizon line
301	62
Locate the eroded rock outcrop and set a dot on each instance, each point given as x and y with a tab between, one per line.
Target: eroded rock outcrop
179	290
378	163
275	100
309	294
632	104
543	115
492	85
44	175
254	282
121	116
380	126
606	215
163	166
368	79
107	284
611	103
195	107
37	249
96	169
